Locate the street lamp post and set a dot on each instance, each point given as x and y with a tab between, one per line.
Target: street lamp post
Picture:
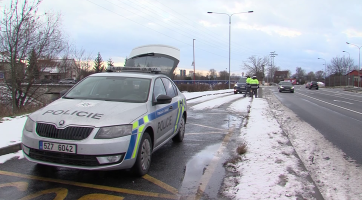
359	58
325	66
229	31
349	69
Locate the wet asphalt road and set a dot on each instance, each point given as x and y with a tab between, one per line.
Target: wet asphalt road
192	169
335	113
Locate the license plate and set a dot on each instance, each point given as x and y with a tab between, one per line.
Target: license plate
58	147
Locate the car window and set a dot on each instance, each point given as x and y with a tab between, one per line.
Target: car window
159	88
286	83
125	89
169	88
242	80
175	88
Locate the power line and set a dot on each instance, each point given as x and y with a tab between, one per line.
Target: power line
151	28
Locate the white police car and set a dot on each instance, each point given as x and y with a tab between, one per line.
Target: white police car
108	121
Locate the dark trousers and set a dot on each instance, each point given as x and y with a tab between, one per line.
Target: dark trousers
247	90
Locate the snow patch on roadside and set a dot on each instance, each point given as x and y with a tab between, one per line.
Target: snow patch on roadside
336	176
215	103
10	156
269	169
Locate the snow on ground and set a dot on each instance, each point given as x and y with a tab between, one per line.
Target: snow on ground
336	176
269	169
10	130
191	95
215	102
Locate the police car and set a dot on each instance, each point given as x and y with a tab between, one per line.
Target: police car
108	121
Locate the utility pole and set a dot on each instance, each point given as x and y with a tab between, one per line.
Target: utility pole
272	56
193	63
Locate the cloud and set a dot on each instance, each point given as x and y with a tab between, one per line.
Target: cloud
282	31
352	33
207	24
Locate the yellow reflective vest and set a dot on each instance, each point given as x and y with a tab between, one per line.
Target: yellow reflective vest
254	81
248	80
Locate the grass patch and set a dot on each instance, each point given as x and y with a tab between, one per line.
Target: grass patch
242	149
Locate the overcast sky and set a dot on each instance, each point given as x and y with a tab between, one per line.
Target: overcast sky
298	31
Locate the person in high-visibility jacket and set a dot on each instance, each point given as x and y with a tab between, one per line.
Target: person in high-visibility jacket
247	85
254	85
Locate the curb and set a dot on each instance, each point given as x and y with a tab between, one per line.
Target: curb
10	149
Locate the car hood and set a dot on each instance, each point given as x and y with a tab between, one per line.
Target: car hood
89	112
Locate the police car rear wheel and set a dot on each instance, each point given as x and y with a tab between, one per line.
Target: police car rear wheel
143	160
179	137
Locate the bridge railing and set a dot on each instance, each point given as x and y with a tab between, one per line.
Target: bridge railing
210	82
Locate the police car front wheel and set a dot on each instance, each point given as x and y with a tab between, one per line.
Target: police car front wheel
143	160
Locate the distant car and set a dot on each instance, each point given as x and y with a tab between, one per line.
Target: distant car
314	85
285	86
307	85
321	84
240	86
67	80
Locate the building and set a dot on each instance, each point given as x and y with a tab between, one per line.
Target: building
5	71
356	77
56	69
182	72
280	76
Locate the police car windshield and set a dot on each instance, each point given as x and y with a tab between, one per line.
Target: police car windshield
124	89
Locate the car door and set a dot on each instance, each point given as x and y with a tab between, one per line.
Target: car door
171	92
162	114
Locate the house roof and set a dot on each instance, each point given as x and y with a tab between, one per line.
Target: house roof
55	65
355	72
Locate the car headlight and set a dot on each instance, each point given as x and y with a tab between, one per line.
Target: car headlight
29	125
292	87
236	85
281	87
113	132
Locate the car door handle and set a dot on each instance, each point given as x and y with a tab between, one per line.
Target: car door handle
170	107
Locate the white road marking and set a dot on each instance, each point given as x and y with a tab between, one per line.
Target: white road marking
330	104
343	101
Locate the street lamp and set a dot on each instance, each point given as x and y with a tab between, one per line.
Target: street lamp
359	54
325	65
349	55
349	70
229	31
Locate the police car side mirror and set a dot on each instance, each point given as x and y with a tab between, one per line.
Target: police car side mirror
163	99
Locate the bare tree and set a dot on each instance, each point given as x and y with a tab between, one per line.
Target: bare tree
271	71
310	76
256	66
340	65
23	30
299	73
223	74
319	75
212	74
83	62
